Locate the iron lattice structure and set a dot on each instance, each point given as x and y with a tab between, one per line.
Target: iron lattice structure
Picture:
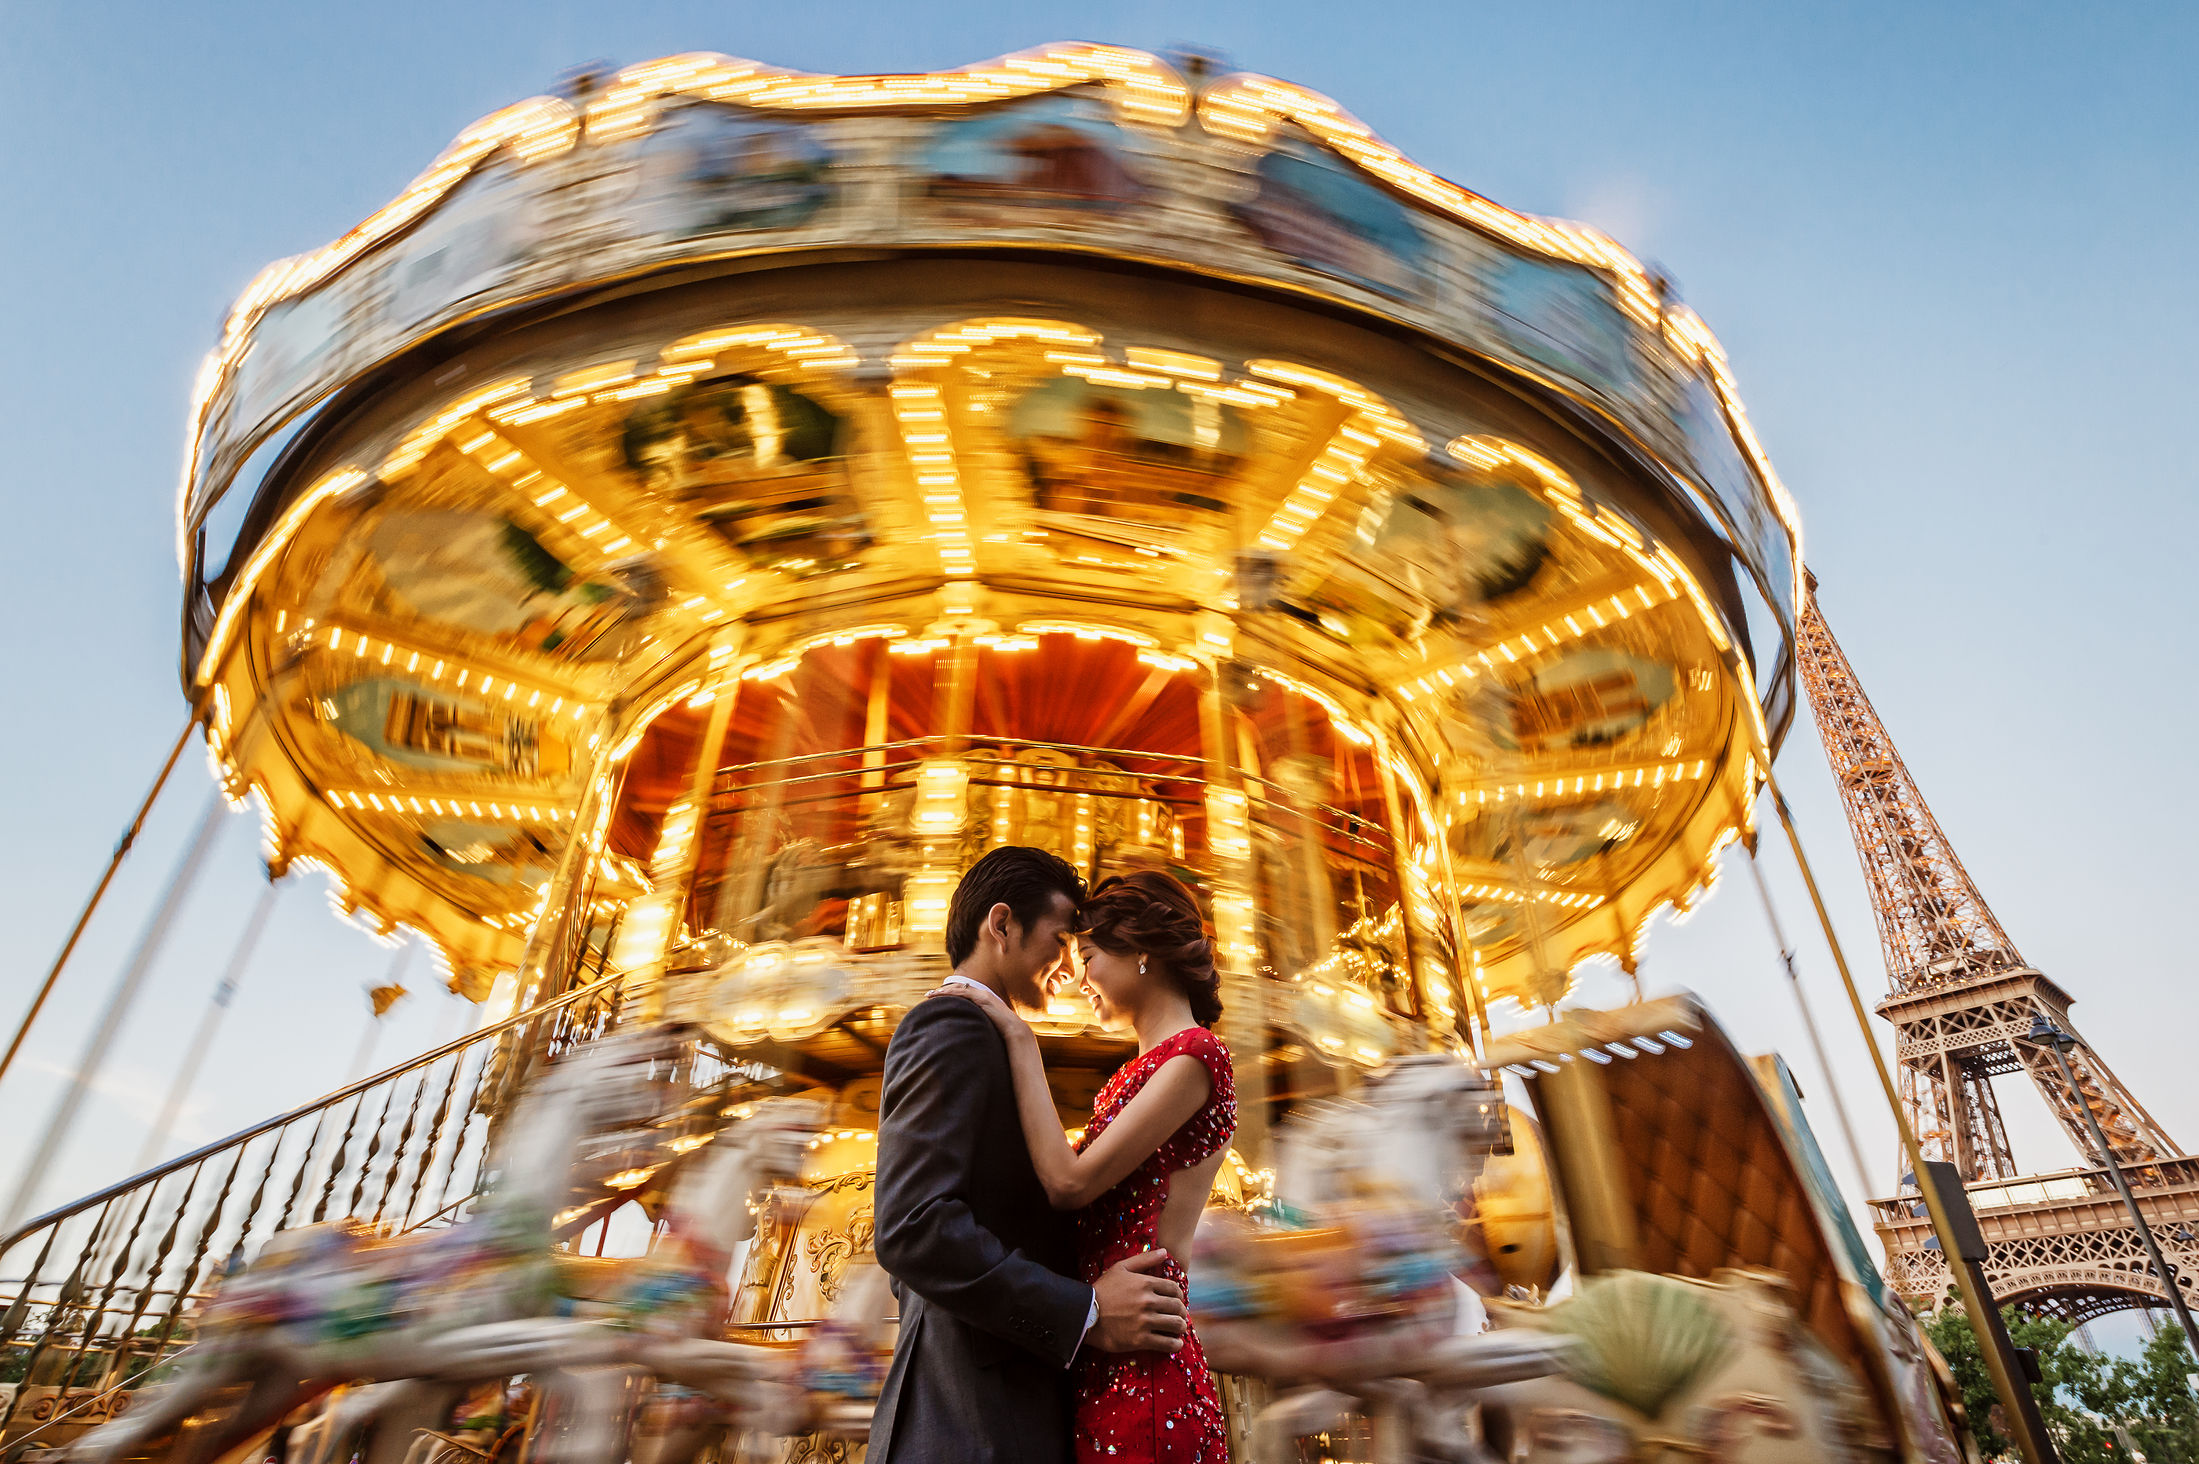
1961	999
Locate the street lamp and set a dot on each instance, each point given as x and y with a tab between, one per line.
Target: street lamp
2045	1034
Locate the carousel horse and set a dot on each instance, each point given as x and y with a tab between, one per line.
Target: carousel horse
1351	1306
830	1390
337	1417
842	1363
328	1305
661	1315
1423	1126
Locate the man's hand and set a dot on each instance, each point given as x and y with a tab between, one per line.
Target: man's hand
1139	1311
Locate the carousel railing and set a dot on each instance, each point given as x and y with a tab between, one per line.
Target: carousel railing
784	836
847	777
111	1278
873	769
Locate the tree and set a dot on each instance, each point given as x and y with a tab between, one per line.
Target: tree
2160	1411
2095	1407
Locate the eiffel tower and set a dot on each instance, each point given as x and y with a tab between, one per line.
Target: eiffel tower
1962	998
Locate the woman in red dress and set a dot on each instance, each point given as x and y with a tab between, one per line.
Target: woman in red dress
1140	1174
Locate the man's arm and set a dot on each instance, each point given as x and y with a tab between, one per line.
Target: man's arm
945	1061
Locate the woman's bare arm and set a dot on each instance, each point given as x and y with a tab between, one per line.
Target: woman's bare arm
1073	1180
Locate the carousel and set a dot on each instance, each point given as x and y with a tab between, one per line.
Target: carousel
649	559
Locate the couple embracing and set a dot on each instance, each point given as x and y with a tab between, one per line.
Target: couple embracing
1040	1283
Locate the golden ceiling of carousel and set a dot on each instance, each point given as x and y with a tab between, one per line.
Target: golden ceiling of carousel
1266	584
445	635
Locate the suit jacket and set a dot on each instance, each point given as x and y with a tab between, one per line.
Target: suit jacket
990	1316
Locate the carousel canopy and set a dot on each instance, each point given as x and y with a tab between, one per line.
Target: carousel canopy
715	380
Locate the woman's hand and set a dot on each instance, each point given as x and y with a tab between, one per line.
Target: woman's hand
1003	1015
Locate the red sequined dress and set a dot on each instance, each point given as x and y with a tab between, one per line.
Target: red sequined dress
1151	1407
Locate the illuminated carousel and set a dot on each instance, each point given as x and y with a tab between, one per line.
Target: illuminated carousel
709	509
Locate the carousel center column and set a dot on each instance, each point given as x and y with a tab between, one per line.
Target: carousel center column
1229	847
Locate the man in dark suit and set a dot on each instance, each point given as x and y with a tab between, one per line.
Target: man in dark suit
991	1312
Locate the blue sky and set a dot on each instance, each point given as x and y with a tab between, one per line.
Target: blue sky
1942	244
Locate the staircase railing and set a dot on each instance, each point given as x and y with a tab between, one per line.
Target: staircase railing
100	1290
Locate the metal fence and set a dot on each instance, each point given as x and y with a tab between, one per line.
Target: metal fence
100	1291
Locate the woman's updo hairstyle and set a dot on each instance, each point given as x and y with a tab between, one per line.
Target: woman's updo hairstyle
1152	914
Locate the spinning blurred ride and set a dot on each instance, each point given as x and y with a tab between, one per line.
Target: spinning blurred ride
707	510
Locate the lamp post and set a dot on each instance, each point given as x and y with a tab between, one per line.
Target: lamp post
2044	1033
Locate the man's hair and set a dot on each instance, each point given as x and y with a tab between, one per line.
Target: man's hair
1024	879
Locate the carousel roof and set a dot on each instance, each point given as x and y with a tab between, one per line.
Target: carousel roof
713	370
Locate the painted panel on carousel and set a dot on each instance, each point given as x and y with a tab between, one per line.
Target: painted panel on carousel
1466	541
1435	549
1062	153
1315	209
406	723
1099	454
1763	538
1554	837
293	345
485	575
1563	318
1558	842
1590	698
807	1236
498	853
477	239
763	464
706	170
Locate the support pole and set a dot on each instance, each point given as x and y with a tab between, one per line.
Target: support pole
702	782
2021	1408
1966	1258
552	960
1809	1023
84	917
1464	956
1417	957
1584	1150
132	980
194	1056
1245	1015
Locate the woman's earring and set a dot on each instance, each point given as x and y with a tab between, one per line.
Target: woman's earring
1141	965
